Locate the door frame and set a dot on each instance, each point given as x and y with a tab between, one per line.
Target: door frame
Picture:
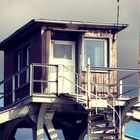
72	61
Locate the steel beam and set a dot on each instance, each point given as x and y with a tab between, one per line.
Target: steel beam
48	122
13	113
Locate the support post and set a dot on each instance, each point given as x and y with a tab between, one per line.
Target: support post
40	122
123	129
50	128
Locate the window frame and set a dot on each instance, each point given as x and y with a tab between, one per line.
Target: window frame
19	66
27	63
106	51
63	42
22	62
68	45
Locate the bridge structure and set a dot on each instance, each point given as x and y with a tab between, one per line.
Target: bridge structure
85	113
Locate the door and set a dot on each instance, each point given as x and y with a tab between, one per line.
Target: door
62	53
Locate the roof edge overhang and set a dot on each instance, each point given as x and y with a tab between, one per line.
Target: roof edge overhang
67	25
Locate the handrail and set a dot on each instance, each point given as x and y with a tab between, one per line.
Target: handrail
79	76
72	71
116	69
44	65
76	84
21	71
127	91
124	85
127	76
114	98
97	95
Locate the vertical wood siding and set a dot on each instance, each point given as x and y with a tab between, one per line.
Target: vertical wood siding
106	80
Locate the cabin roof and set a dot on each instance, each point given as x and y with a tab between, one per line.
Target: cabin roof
75	26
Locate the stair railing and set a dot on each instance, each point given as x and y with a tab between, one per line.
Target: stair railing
94	95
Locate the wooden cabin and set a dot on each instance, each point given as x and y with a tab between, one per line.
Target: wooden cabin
51	57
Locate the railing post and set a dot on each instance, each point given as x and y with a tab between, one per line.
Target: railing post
120	123
121	87
77	84
13	88
96	109
57	75
114	123
88	83
88	98
60	79
31	79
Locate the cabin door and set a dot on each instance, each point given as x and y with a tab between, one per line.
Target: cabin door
62	53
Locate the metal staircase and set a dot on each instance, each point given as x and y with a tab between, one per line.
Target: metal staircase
101	120
101	125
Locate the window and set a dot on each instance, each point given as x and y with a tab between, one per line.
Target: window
23	60
96	50
63	51
19	55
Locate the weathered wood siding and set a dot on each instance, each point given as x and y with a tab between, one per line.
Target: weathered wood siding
102	78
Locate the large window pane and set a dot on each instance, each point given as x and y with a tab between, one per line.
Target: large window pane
95	49
62	51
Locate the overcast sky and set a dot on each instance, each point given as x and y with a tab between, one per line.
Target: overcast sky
15	13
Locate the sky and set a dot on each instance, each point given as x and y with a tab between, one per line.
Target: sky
15	13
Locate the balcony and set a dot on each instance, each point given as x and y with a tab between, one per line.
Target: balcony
44	83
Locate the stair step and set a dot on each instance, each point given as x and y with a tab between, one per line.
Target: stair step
105	134
101	122
105	111
98	117
102	112
103	128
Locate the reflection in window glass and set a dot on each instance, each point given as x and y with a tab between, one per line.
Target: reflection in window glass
62	51
95	49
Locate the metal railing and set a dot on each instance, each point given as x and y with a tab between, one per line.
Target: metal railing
43	78
50	79
127	80
30	80
58	79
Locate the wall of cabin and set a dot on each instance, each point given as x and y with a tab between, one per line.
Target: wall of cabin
31	40
39	42
52	35
100	77
103	77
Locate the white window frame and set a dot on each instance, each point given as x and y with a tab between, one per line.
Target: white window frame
106	51
19	66
20	53
27	63
63	43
